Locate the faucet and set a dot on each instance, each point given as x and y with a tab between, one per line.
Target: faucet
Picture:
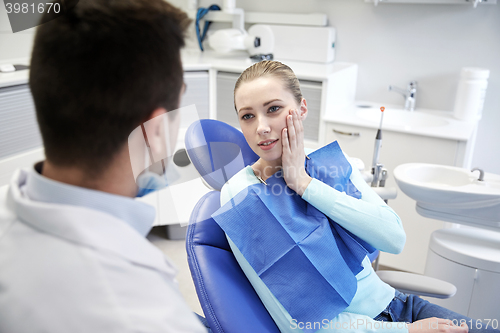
481	173
410	94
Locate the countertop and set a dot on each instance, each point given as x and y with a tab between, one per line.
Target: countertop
453	129
194	60
17	77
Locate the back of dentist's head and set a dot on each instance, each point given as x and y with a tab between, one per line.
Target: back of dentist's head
274	69
99	71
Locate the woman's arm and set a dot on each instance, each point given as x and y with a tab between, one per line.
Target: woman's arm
368	218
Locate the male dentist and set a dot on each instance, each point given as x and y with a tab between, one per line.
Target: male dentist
73	253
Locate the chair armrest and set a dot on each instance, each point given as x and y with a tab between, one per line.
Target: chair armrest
421	285
386	193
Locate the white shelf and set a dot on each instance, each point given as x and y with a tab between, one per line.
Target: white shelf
315	19
472	3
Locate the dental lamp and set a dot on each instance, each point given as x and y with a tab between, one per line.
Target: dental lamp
258	41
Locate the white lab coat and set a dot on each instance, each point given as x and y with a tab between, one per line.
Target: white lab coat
70	269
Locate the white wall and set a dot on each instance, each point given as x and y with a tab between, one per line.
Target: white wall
397	43
12	45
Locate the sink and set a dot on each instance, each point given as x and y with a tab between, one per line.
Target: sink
452	194
400	117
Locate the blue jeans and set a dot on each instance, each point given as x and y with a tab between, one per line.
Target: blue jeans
410	308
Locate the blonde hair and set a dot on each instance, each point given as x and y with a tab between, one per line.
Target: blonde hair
274	69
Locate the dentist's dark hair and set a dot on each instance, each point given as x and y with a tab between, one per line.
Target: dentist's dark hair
99	70
274	69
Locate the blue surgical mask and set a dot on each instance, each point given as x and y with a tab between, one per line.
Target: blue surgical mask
149	182
151	150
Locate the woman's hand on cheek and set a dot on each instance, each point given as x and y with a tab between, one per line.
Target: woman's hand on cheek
293	157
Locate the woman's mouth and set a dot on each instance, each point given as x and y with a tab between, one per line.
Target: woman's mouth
268	144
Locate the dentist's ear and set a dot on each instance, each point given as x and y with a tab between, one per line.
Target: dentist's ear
157	112
154	125
303	109
156	134
162	128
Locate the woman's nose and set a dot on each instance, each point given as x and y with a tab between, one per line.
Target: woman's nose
263	127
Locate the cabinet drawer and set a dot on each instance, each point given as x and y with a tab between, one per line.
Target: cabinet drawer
354	141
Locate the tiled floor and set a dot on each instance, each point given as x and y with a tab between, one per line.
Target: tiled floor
175	250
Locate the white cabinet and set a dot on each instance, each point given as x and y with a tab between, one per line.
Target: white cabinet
20	140
197	93
470	259
398	148
312	91
18	126
472	3
225	101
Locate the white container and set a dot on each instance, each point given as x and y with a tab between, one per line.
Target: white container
471	91
229	6
317	44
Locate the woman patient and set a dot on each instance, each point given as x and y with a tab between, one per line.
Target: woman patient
271	109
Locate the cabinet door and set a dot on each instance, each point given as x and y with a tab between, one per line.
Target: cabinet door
399	148
225	99
311	91
18	126
477	290
484	301
460	276
197	93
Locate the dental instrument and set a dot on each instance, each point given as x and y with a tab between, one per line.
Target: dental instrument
378	171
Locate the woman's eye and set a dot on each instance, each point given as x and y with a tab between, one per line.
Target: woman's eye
246	116
274	108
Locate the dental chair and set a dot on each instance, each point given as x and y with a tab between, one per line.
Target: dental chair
227	298
229	302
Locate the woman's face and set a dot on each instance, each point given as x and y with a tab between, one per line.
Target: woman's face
263	105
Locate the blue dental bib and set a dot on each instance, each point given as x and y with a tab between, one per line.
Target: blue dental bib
307	261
